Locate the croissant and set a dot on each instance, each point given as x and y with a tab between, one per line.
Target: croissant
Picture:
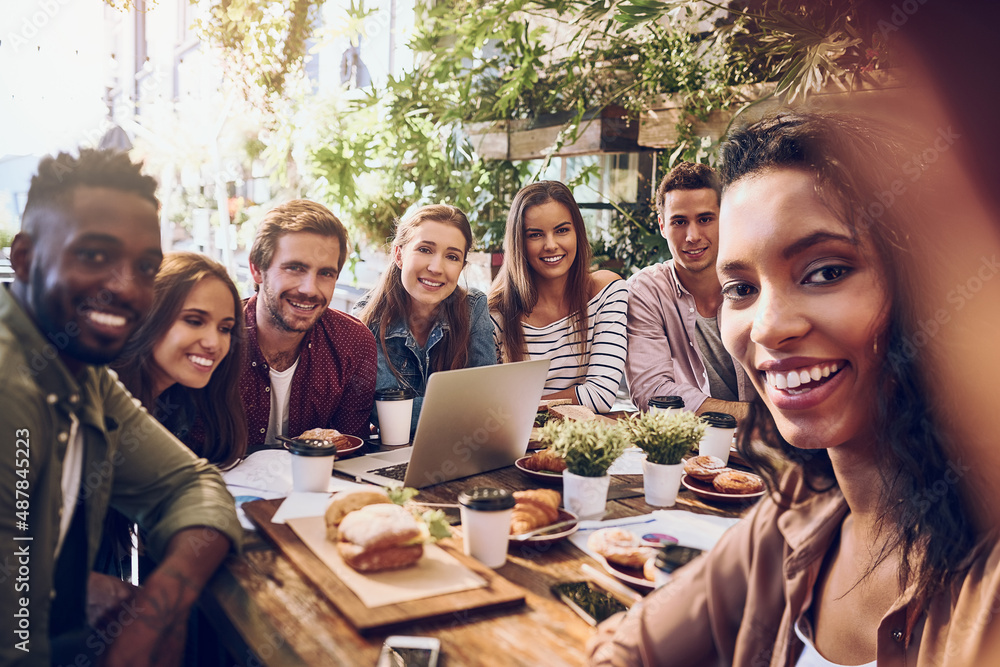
534	509
545	459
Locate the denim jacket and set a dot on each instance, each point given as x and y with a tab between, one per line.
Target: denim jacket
413	362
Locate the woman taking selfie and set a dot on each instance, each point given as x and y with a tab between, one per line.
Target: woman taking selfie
421	319
864	550
547	304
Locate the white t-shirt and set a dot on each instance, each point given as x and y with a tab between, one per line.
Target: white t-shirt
281	395
811	657
71	472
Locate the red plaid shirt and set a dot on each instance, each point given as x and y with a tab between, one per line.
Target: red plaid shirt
333	385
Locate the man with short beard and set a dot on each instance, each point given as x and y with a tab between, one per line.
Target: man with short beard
76	443
307	366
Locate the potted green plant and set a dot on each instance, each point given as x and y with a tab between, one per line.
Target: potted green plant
589	448
665	438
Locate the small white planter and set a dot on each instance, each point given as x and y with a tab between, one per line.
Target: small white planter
661	483
585	496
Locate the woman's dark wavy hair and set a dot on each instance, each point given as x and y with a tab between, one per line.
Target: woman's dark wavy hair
389	302
855	161
221	428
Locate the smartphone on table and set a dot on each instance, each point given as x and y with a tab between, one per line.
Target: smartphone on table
673	556
406	651
591	602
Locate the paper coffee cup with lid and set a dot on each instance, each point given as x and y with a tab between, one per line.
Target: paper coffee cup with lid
394	408
312	463
718	436
486	516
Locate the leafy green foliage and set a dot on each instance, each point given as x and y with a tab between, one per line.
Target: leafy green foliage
263	41
588	447
435	522
401	495
633	238
665	437
373	158
506	60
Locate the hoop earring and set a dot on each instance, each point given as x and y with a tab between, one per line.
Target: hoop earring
875	346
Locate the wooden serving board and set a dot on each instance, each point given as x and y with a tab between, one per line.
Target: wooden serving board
498	591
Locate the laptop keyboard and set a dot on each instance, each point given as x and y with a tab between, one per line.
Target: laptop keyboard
396	472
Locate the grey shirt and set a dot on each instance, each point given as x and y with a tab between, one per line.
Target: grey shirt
663	357
718	363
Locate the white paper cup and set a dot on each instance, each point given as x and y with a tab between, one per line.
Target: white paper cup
485	516
718	436
312	466
394	408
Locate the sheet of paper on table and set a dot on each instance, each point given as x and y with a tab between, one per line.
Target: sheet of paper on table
437	573
267	474
700	531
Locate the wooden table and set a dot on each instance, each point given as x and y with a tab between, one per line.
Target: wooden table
266	613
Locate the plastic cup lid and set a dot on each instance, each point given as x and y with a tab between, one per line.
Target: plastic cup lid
719	419
301	447
486	499
666	402
398	394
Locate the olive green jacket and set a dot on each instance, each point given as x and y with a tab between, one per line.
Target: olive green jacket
130	463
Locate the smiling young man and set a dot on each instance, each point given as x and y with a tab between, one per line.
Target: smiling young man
308	366
76	441
674	347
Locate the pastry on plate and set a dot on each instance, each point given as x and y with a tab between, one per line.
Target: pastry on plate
704	468
534	509
736	482
544	460
620	546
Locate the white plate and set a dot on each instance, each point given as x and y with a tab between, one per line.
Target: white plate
356	444
630	575
540	475
553	537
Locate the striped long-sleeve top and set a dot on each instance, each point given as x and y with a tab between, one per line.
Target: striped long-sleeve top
597	375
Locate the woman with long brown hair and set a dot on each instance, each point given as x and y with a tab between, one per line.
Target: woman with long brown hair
183	365
183	362
422	320
546	303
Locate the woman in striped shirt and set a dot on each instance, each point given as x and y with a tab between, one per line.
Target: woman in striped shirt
547	304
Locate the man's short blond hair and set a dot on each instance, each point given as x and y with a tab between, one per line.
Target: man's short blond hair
298	215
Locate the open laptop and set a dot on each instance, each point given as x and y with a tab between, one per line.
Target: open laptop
472	420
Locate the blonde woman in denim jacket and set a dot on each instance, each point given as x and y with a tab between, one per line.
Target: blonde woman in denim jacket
421	319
